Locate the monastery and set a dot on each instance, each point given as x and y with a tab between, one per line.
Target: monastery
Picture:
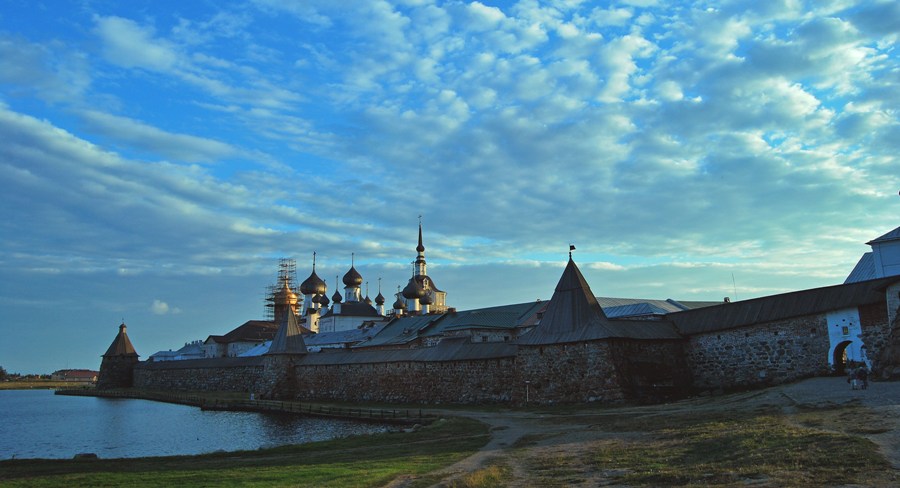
576	347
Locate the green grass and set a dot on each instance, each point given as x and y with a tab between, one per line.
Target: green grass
40	385
724	449
493	476
360	461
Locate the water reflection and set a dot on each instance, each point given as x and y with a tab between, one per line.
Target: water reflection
40	424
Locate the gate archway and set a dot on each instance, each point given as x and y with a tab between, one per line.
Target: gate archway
839	358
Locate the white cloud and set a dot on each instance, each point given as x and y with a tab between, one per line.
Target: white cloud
133	46
146	137
160	307
758	138
483	18
606	266
611	16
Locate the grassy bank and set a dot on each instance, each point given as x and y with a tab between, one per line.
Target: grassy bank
359	461
768	448
39	385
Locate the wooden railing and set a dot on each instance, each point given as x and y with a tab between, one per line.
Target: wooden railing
400	416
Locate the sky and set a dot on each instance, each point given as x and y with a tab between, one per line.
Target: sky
158	158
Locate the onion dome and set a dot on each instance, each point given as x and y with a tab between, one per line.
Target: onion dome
379	300
313	285
368	300
317	298
399	304
285	295
353	279
427	299
413	289
336	298
323	301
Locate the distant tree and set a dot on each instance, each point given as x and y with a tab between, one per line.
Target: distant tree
2	374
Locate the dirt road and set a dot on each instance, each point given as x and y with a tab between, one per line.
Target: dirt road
557	435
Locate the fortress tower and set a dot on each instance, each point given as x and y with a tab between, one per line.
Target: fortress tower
117	367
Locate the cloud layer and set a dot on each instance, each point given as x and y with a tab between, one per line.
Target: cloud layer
677	144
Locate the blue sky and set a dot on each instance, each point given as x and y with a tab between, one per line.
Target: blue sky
158	158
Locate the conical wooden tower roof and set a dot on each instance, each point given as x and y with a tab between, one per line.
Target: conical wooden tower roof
121	345
288	338
574	315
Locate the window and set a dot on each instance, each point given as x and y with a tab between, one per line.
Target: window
845	330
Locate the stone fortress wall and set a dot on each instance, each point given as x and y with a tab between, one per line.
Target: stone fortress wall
579	354
766	354
608	371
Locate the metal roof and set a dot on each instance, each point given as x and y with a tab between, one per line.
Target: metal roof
501	317
352	336
402	330
893	235
251	331
447	350
864	269
610	305
231	362
633	310
778	307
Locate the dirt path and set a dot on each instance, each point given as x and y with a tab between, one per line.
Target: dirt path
564	437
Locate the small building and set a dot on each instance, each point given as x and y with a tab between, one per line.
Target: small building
191	350
75	375
882	261
241	339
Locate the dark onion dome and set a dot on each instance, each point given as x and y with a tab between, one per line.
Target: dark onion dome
317	298
353	279
379	300
313	285
368	300
336	298
413	289
427	299
323	300
399	304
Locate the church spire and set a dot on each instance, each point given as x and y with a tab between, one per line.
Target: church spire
420	269
421	247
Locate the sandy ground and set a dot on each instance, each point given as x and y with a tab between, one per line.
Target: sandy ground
565	435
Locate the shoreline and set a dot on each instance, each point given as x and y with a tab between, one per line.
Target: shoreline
215	401
789	435
42	385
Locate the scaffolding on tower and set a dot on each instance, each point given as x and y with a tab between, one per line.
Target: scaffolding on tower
287	270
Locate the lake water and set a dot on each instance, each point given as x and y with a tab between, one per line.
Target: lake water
39	424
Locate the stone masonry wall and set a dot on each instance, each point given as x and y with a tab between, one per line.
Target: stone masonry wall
653	371
873	321
893	301
598	371
481	381
204	375
564	373
569	373
764	354
116	372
